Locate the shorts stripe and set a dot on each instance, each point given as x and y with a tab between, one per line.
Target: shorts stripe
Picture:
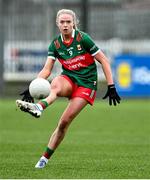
92	93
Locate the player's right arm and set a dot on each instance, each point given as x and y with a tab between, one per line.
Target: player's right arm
46	71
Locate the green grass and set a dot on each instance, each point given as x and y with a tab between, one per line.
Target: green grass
102	142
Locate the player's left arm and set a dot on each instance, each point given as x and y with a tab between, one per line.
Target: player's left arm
91	48
103	60
111	91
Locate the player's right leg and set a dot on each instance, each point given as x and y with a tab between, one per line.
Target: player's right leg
60	87
31	108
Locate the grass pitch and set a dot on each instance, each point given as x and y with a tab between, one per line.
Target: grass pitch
102	142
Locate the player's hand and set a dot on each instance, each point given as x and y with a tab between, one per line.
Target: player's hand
26	96
113	95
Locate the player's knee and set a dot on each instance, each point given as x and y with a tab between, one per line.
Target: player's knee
71	115
63	126
61	87
55	87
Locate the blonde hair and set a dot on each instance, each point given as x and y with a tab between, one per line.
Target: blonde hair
70	12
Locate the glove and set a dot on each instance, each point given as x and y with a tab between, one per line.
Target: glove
113	95
26	96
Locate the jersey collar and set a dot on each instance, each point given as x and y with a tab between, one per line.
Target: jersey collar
72	37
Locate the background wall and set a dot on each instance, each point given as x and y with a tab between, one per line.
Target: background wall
28	26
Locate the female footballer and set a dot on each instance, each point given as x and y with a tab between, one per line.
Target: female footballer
77	53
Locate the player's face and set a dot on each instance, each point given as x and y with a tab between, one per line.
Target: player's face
65	24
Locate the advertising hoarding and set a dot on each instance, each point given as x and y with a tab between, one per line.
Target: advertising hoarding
132	75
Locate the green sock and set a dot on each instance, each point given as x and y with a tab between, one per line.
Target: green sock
43	103
48	153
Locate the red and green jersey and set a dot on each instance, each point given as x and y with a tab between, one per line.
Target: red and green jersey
77	58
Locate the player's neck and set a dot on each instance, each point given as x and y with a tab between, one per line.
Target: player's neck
67	37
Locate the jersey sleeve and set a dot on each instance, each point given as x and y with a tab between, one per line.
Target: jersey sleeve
52	51
89	44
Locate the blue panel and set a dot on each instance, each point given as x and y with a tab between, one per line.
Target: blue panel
132	75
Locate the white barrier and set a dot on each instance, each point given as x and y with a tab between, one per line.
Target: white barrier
23	60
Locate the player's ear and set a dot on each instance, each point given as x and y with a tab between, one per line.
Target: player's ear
74	26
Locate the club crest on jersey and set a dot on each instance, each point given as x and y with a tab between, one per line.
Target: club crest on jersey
79	47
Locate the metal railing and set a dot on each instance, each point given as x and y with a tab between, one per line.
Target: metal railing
28	26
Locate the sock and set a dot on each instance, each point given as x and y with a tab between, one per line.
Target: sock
43	104
48	153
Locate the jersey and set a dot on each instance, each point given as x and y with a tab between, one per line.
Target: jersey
77	58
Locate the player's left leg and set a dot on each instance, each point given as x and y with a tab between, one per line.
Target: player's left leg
73	109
